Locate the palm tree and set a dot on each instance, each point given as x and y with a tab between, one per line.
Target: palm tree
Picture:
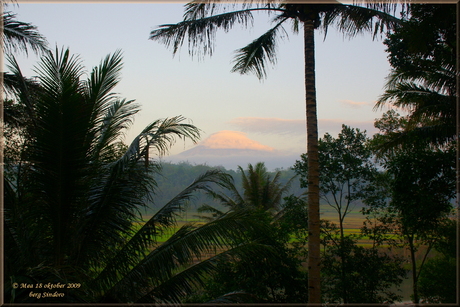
202	20
262	195
73	200
260	192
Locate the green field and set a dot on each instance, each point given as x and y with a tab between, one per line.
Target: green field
353	222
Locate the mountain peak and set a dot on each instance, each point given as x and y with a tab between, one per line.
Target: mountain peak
232	148
227	139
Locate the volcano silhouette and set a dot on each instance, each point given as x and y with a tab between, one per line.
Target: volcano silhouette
232	148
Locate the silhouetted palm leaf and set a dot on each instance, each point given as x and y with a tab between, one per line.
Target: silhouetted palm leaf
19	36
254	56
428	94
147	236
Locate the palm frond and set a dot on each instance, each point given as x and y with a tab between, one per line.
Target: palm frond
405	94
232	202
56	148
439	78
354	19
187	280
118	118
123	185
209	209
276	191
232	199
201	9
161	135
201	32
185	246
20	36
133	250
165	217
60	74
24	89
423	103
113	203
253	57
435	133
253	183
102	80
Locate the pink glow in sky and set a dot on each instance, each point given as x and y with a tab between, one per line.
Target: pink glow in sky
232	140
350	74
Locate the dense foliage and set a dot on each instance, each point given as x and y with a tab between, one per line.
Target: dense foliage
418	149
73	197
351	273
262	195
422	54
82	207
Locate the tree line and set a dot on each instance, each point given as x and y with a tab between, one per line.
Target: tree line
176	176
74	194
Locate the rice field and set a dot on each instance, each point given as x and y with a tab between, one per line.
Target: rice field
353	222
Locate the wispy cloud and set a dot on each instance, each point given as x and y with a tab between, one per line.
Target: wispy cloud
296	127
356	104
269	125
334	126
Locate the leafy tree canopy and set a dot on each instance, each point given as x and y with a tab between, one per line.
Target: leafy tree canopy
422	53
73	197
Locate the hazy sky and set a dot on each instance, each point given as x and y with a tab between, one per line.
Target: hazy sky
350	72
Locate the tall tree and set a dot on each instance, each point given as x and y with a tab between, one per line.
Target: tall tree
422	188
346	169
348	172
73	199
422	54
202	20
437	281
370	272
421	184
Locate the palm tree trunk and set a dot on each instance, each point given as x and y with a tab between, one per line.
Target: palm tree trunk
314	289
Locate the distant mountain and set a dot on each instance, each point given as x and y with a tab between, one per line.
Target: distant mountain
232	148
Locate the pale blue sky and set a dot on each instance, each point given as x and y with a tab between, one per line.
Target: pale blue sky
350	73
